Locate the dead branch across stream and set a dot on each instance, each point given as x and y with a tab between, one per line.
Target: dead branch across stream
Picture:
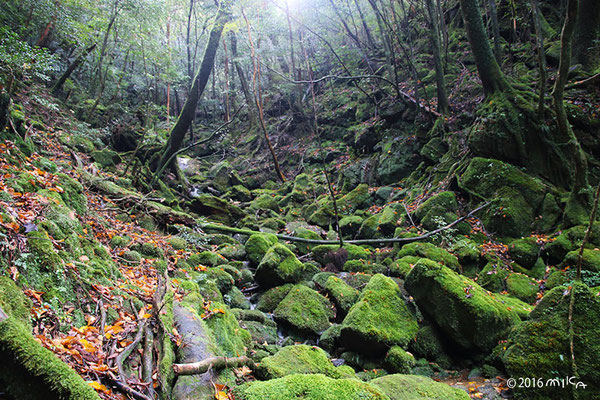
228	229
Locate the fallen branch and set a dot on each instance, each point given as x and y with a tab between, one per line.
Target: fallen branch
589	81
129	349
122	387
248	232
203	366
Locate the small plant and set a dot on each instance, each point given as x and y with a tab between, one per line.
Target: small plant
446	237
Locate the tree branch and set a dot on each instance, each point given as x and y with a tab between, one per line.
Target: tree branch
203	366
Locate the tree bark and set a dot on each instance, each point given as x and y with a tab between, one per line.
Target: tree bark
243	82
539	38
186	117
74	65
568	138
201	367
496	31
443	107
586	43
492	78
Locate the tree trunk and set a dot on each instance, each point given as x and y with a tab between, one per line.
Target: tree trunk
496	31
243	82
539	38
443	107
187	115
492	78
61	81
586	43
568	138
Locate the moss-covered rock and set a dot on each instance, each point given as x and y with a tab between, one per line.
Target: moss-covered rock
525	251
350	225
106	158
401	267
278	266
471	316
399	360
438	204
13	302
265	202
231	339
305	310
308	387
216	208
413	387
590	260
382	224
206	258
430	251
257	245
322	252
298	359
539	347
30	371
330	337
343	295
380	319
270	299
522	287
429	345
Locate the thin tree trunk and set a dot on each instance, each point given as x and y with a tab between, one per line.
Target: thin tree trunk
187	115
227	105
443	107
586	43
539	38
72	67
365	25
496	31
243	82
259	103
566	132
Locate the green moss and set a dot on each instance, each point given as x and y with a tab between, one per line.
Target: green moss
264	202
298	359
589	262
399	360
178	243
308	387
13	302
29	371
320	279
304	310
556	278
350	225
222	278
413	387
120	241
269	300
206	258
438	204
522	287
401	267
232	340
106	158
257	245
539	347
330	337
525	251
42	249
344	296
132	256
321	252
278	266
429	251
382	224
428	344
380	319
468	314
364	266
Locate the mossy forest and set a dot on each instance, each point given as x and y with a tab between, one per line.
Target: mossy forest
299	199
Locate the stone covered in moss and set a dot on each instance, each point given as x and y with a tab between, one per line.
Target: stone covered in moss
429	251
278	266
413	387
344	296
30	371
206	258
525	251
471	316
308	387
270	299
380	319
350	225
401	267
522	287
298	359
232	340
590	260
106	158
13	302
399	360
322	252
304	310
264	202
428	344
216	209
437	205
330	337
257	245
382	224
539	347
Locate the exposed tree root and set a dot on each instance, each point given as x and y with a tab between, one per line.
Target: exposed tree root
201	367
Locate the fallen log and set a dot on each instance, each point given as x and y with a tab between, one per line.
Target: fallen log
205	365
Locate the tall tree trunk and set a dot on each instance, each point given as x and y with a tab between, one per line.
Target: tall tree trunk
72	67
443	107
187	115
365	25
492	78
539	38
586	43
568	137
243	82
496	31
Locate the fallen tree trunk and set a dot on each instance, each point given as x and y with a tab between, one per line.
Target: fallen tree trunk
222	228
205	365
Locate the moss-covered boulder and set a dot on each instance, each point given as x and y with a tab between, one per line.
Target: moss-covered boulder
278	266
398	360
350	225
13	302
429	345
473	317
522	287
431	252
343	295
257	245
525	251
540	346
413	387
106	158
298	359
308	387
270	299
442	205
590	260
380	319
304	310
323	252
216	209
382	224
